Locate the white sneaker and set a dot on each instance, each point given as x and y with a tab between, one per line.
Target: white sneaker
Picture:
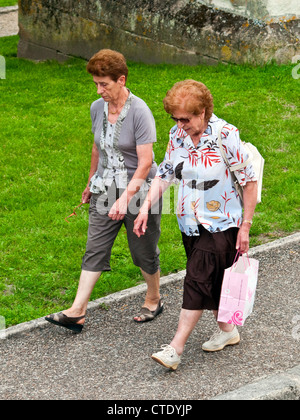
168	357
222	339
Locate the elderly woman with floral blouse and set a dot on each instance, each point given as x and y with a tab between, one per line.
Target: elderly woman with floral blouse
210	212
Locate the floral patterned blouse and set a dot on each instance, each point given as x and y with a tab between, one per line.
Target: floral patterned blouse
206	195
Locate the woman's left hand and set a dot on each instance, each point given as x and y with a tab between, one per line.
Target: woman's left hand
242	243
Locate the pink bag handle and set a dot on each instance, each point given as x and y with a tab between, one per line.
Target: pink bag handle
238	255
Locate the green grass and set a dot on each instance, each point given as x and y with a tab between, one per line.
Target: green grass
5	3
46	142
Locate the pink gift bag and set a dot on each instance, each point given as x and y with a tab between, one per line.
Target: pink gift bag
238	291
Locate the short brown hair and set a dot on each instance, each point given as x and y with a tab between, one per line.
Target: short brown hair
190	95
108	63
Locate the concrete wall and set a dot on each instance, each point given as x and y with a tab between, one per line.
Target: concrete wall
155	31
265	10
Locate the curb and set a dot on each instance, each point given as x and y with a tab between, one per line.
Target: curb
283	386
8	9
115	297
41	322
275	244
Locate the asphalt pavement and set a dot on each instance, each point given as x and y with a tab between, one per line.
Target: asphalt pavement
111	360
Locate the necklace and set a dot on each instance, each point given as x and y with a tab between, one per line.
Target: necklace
118	109
114	113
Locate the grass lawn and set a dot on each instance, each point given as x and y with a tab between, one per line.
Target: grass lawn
5	3
46	142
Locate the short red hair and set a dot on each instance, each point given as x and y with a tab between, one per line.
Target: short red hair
190	95
108	63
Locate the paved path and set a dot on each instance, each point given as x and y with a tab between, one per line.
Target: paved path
9	21
111	358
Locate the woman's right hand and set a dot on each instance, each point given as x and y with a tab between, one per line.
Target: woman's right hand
86	195
140	224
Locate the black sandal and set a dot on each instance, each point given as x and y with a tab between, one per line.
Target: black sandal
146	315
63	320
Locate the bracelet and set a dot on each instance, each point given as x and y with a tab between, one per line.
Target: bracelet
248	221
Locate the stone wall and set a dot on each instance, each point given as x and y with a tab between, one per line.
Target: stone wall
155	31
264	10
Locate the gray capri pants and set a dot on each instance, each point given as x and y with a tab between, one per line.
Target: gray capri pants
103	231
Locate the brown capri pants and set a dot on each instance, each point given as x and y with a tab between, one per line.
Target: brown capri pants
103	231
208	256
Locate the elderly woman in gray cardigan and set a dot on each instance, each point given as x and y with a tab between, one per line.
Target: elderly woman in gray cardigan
122	167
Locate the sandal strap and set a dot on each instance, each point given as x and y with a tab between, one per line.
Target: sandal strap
145	315
73	319
146	311
64	319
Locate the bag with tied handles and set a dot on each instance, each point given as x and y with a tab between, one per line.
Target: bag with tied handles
255	159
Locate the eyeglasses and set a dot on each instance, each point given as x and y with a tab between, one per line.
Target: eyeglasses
182	120
74	213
